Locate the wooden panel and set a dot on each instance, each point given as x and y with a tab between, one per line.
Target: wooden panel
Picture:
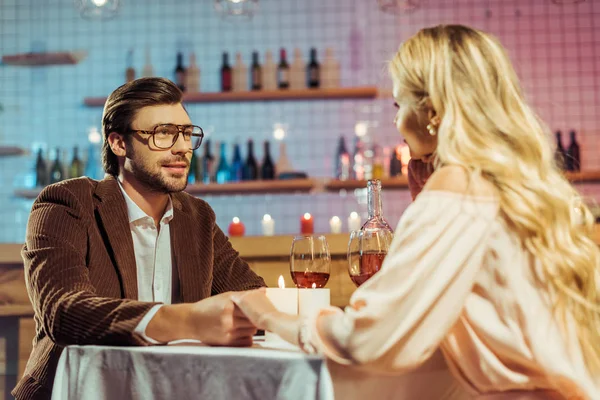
6	151
266	247
366	92
42	59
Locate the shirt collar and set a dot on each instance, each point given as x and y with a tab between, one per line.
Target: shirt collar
135	213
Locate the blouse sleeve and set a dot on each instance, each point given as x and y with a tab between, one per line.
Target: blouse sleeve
398	318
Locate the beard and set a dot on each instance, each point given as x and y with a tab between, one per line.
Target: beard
154	178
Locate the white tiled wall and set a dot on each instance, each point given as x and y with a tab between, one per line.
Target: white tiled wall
556	50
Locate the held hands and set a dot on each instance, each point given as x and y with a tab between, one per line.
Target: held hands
256	306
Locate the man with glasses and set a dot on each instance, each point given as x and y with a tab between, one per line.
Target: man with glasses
131	259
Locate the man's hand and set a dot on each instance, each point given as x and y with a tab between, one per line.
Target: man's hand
214	321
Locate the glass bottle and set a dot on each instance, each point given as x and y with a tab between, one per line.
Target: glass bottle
223	169
41	170
250	171
268	167
560	154
56	172
342	161
376	221
237	165
207	162
76	167
573	160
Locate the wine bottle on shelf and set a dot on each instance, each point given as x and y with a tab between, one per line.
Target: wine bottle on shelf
237	165
255	73
313	70
64	163
147	71
377	167
330	70
56	172
269	72
358	160
240	74
226	73
216	162
342	161
92	165
297	71
207	162
396	162
223	169
283	163
193	169
192	76
41	170
283	71
560	154
250	171
268	168
76	167
130	71
180	73
573	160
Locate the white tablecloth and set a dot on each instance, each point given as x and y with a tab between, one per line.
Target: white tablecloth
265	371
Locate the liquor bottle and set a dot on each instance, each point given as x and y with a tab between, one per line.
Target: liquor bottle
342	161
240	74
268	168
358	160
573	160
560	154
255	73
130	71
396	162
250	171
226	74
41	170
192	76
269	72
193	169
330	70
76	167
207	162
223	169
180	73
313	70
56	172
147	71
216	161
377	168
64	163
283	71
237	165
92	166
283	163
297	71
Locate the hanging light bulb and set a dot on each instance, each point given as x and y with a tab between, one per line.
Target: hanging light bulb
236	8
398	6
97	9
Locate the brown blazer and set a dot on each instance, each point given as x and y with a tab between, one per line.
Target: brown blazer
80	270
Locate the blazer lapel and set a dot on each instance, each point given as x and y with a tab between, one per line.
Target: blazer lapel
193	277
112	212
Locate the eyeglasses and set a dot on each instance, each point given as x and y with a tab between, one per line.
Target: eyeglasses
164	136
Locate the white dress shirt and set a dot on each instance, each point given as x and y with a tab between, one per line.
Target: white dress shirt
153	258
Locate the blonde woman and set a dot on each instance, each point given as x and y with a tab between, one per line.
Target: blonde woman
493	263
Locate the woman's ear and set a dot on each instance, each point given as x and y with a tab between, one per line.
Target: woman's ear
432	117
116	142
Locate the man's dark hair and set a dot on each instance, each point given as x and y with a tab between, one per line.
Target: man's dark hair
122	106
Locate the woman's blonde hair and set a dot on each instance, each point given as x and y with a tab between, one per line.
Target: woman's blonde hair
487	127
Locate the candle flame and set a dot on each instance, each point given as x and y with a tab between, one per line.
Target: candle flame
236	220
307	216
335	219
314	285
281	282
353	214
266	217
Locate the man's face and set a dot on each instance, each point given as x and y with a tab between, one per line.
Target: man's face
159	170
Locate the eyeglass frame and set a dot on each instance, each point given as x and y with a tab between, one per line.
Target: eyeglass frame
180	129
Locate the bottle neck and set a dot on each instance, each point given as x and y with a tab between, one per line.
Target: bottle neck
374	203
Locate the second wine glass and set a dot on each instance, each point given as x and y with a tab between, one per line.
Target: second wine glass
310	261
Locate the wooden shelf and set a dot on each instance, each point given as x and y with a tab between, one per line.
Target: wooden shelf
16	310
399	182
43	59
365	92
6	151
583	176
253	187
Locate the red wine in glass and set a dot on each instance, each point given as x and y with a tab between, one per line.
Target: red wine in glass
307	279
370	264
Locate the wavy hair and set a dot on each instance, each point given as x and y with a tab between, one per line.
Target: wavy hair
488	128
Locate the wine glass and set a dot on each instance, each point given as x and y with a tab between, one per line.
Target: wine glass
310	261
366	251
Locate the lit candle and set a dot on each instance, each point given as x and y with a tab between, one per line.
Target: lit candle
312	300
236	228
354	222
285	300
307	226
335	224
268	225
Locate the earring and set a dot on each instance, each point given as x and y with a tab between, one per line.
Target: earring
431	129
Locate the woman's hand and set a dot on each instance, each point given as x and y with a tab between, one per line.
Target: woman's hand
418	173
256	306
